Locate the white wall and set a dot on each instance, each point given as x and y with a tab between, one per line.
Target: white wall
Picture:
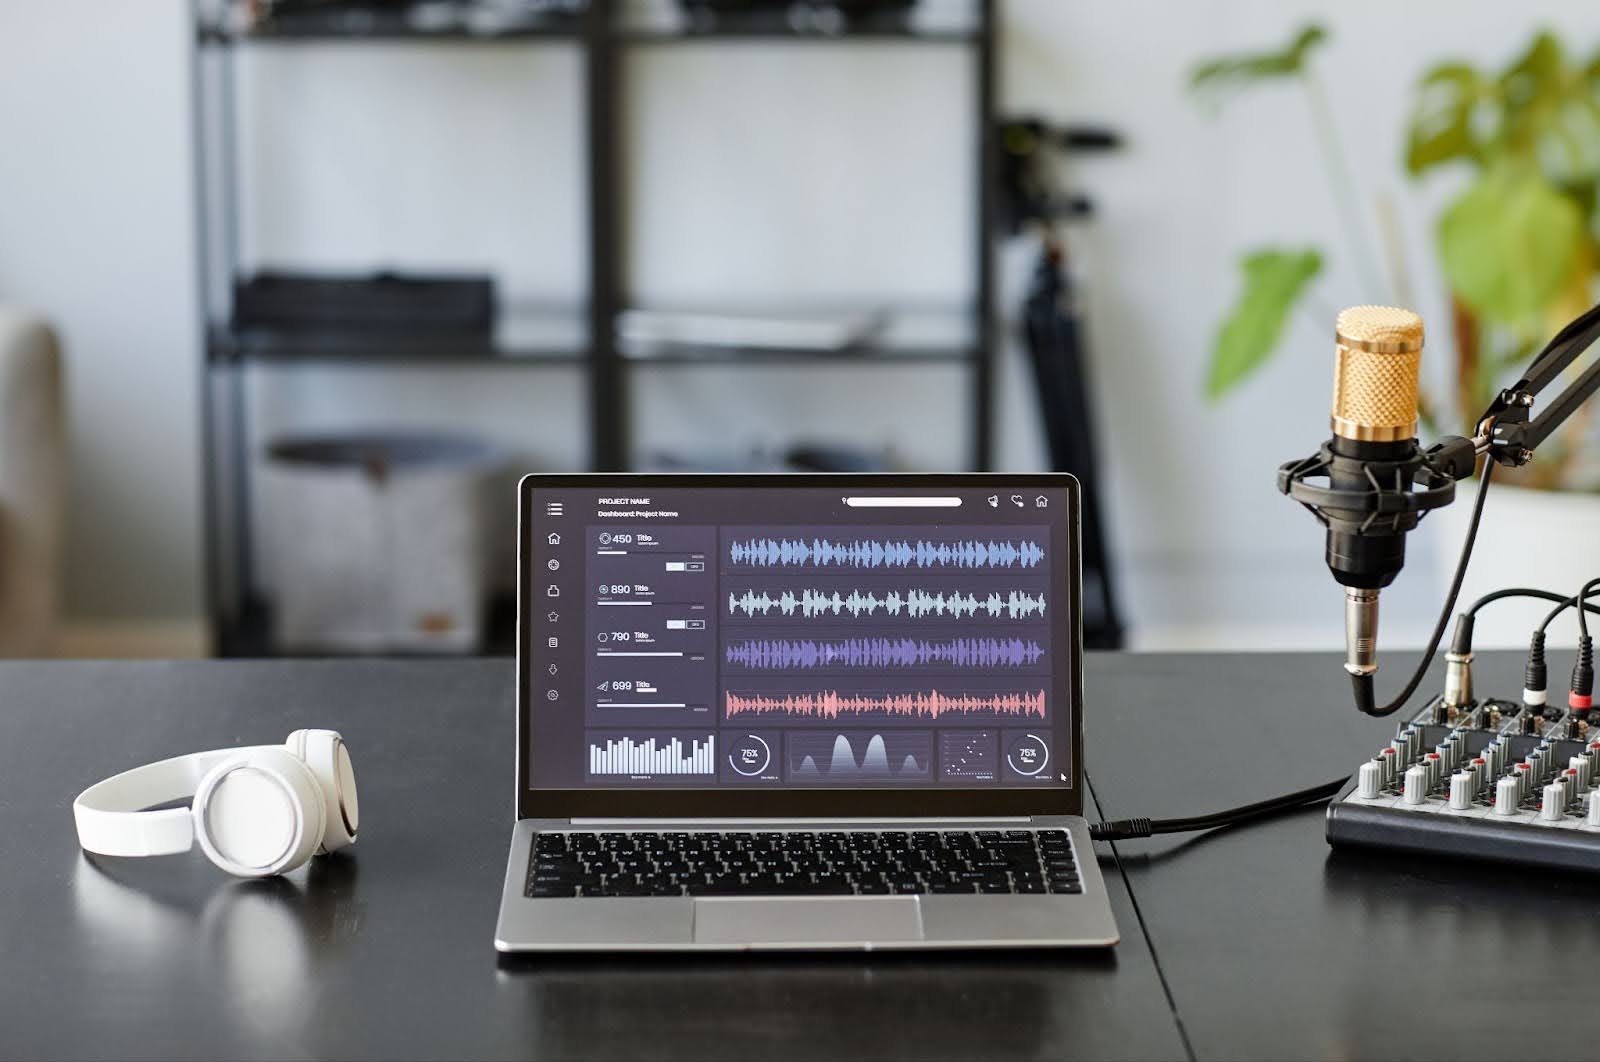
1212	554
96	233
756	172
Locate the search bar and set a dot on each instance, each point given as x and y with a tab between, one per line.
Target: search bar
902	503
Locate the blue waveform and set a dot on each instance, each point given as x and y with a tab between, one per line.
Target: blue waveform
868	553
913	604
781	654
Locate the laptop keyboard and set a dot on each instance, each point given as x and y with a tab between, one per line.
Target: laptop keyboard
801	863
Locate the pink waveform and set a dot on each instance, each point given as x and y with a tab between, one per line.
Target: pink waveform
830	704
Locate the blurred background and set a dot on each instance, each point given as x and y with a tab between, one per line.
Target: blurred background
292	290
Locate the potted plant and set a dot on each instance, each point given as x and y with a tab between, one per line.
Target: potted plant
1518	249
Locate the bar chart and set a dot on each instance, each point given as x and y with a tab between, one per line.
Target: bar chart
659	754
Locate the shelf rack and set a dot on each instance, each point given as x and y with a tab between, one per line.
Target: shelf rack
580	337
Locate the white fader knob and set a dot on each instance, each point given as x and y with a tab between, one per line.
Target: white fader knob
1581	765
1593	818
1416	790
1461	786
1371	781
1554	805
1506	793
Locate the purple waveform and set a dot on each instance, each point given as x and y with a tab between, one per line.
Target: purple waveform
782	654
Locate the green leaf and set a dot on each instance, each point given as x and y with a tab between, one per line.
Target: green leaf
1509	244
1238	71
1274	279
1534	78
1441	128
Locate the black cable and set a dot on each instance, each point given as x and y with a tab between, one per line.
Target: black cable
1568	602
1126	829
1583	595
1362	684
1527	591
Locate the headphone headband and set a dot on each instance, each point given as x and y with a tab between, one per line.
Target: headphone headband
110	816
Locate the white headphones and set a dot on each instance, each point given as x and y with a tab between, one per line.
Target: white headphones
256	811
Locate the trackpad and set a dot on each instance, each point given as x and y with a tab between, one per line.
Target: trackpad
820	920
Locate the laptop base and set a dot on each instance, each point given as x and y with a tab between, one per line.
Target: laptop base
807	923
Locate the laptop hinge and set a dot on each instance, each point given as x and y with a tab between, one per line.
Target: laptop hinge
798	819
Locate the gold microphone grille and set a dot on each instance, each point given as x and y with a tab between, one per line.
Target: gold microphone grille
1375	373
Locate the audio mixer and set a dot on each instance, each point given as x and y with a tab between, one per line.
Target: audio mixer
1489	779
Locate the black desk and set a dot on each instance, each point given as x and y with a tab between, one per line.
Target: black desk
1270	944
1274	945
386	953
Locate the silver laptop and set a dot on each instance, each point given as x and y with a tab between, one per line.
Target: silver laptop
799	712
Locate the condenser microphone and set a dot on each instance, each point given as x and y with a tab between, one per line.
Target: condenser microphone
1377	356
1370	483
1378	481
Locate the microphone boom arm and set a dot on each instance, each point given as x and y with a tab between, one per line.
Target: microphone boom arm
1505	431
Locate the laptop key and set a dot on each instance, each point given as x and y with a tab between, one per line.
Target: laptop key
802	863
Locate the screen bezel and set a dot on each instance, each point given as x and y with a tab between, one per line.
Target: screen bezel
794	803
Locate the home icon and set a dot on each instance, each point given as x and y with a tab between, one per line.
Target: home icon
555	539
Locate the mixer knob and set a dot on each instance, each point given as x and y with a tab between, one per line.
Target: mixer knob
1554	805
1391	765
1371	781
1416	790
1507	795
1593	818
1461	787
1435	765
1580	764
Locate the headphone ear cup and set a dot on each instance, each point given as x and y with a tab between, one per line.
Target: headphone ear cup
259	813
325	752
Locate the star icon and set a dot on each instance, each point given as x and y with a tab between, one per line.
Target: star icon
553	616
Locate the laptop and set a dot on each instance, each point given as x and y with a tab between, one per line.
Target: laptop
799	712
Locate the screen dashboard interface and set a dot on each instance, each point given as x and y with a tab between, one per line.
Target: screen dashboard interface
799	638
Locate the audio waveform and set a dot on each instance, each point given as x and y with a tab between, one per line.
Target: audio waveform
914	604
871	553
831	704
782	654
814	757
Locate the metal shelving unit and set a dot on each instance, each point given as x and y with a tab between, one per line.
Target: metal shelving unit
535	337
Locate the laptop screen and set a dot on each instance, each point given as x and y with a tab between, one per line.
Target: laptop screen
743	633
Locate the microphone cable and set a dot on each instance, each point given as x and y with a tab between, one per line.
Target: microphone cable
1362	684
